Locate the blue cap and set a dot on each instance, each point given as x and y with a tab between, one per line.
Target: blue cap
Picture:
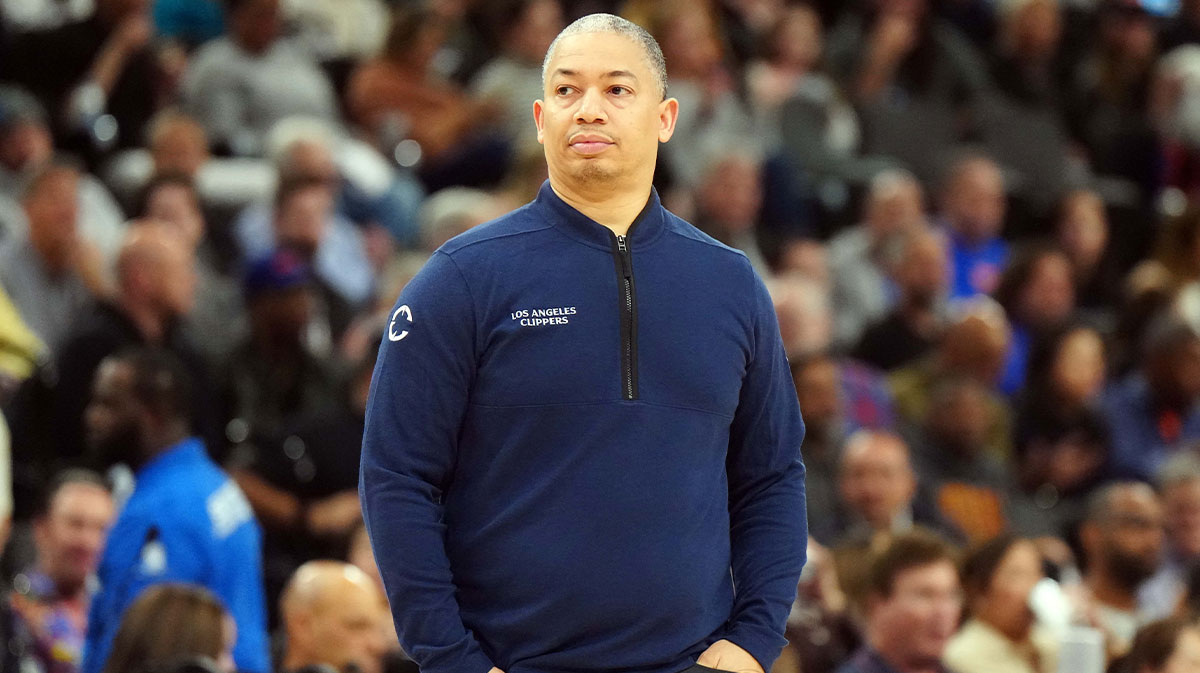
280	270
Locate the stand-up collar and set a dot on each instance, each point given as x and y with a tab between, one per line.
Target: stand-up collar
646	227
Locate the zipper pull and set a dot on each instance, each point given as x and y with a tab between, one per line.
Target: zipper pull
626	271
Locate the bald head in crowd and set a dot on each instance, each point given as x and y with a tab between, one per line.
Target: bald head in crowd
877	481
974	201
156	275
333	615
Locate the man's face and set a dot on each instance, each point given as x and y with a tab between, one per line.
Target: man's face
176	205
1181	503
817	388
256	24
912	625
349	630
25	145
177	276
71	535
602	115
877	481
1132	540
180	149
303	219
976	203
922	273
113	432
52	208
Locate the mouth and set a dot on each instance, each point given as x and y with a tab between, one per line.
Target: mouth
590	144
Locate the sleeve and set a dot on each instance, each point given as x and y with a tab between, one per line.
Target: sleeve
239	583
418	398
768	524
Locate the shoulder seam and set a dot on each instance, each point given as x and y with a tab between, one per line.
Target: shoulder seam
717	245
464	246
467	286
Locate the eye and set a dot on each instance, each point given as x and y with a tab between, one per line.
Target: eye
563	90
619	90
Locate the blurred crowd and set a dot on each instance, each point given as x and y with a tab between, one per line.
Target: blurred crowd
979	221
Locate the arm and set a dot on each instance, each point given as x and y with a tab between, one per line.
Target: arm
418	399
768	526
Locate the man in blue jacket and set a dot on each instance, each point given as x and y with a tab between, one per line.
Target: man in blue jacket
186	521
582	443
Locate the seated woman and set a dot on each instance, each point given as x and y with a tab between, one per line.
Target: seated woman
1001	634
174	627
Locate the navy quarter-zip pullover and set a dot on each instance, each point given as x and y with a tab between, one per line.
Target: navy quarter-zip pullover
582	451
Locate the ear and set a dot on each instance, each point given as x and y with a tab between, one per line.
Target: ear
668	114
538	107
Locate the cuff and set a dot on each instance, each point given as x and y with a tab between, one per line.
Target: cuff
764	645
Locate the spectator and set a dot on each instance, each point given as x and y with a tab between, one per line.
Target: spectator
973	346
804	312
275	377
1108	93
896	50
185	521
99	76
1037	292
217	319
16	653
728	201
513	78
1155	411
951	453
702	82
791	74
303	480
862	256
1179	486
398	95
821	632
303	215
838	397
332	613
53	596
1056	466
973	205
178	145
156	284
20	349
1166	646
27	149
878	491
1066	375
912	329
1026	66
1002	635
170	625
1122	541
1083	234
913	603
241	84
42	272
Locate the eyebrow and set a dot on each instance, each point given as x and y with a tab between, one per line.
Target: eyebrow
612	74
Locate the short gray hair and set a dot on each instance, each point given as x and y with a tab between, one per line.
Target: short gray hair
610	23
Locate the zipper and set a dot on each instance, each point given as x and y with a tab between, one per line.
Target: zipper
628	292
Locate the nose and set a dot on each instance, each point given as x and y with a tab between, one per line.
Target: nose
591	107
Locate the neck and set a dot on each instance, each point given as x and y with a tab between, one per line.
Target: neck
906	664
616	209
1108	591
149	323
170	436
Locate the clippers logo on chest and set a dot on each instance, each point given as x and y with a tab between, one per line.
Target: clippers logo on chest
543	317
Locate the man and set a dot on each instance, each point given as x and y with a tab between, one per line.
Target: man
912	328
1155	412
1179	486
41	271
332	613
185	521
913	605
54	595
879	492
1122	539
598	516
973	208
240	84
155	289
861	256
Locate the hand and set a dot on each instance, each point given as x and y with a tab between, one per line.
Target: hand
337	514
495	670
726	656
